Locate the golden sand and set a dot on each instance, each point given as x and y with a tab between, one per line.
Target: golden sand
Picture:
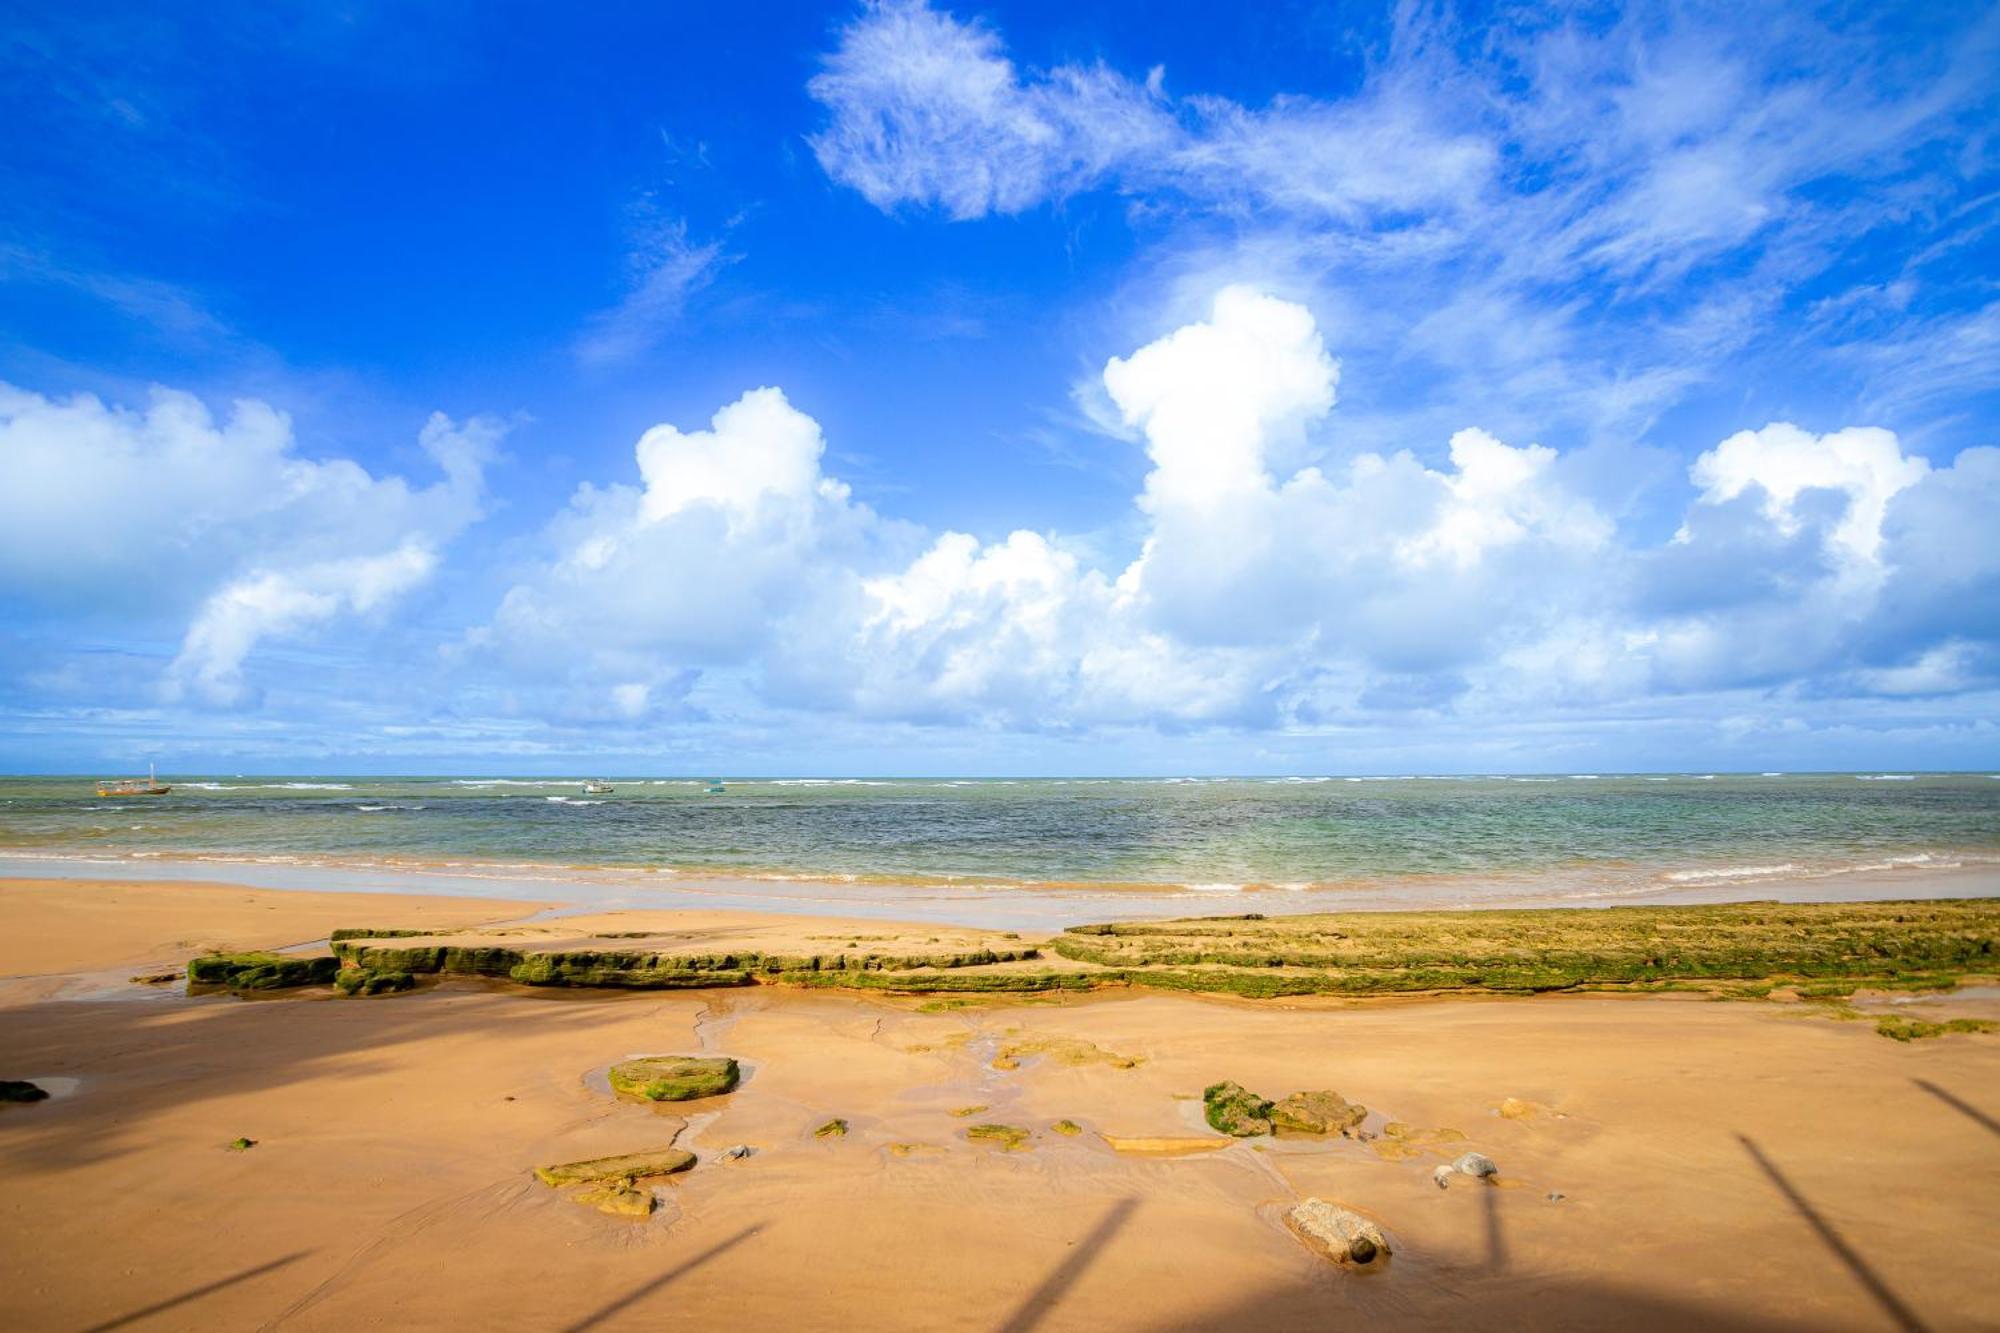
1724	1165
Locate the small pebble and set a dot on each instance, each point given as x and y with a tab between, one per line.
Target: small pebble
1443	1176
733	1153
1556	1196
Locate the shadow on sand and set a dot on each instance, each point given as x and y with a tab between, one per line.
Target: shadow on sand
1899	1314
651	1285
195	1293
1043	1299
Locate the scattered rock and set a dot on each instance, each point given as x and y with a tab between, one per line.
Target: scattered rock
619	1198
156	978
1235	1110
1317	1113
835	1128
1009	1137
964	1112
1341	1234
675	1078
736	1152
20	1090
1556	1196
1443	1176
627	1166
1069	1127
240	1144
1476	1164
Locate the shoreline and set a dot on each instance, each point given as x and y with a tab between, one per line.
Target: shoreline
994	905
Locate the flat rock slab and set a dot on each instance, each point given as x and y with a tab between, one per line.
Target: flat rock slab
629	1166
675	1078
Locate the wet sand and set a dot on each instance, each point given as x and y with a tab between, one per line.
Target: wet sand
52	927
1723	1165
993	905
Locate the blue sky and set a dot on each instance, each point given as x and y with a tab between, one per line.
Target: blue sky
1082	388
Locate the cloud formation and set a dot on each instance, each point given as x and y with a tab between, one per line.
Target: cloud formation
1271	587
165	516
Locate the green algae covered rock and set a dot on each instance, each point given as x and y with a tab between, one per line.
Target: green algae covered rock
459	960
20	1090
260	971
621	971
626	1167
675	1078
1235	1110
1009	1138
1317	1113
360	981
835	1128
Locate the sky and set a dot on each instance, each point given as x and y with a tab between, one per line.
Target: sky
1014	389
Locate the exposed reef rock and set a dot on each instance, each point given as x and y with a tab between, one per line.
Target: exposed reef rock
20	1090
1746	950
631	969
1235	1110
835	1128
674	1078
260	971
1341	1234
627	1167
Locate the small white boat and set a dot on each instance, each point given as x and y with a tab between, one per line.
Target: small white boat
714	787
597	787
150	785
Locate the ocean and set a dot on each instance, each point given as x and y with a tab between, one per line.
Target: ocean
1286	843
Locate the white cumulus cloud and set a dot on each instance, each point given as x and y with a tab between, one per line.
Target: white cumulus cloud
169	516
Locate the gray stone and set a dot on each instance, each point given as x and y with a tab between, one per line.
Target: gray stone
1476	1164
1443	1176
732	1154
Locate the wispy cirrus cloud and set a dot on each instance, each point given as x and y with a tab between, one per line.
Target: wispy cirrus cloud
667	267
1571	218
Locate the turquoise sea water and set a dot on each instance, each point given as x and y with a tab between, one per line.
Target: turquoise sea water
1417	838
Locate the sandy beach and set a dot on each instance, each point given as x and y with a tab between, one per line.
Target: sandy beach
1667	1162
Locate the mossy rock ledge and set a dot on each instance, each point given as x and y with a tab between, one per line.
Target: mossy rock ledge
627	1166
260	971
361	981
675	1078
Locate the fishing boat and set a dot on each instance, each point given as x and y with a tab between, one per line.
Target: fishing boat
150	785
714	787
597	787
